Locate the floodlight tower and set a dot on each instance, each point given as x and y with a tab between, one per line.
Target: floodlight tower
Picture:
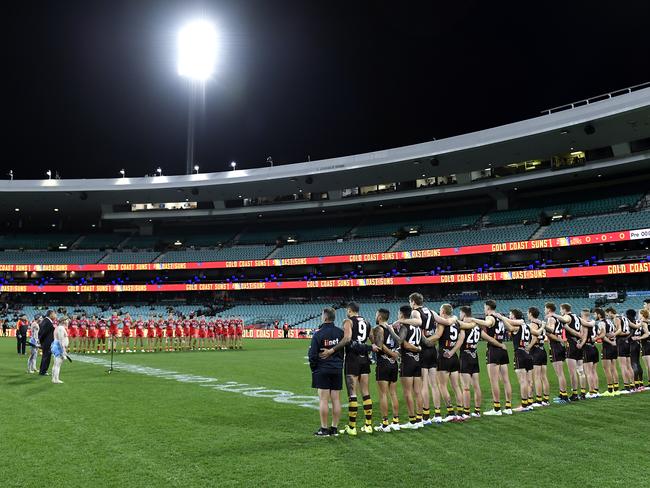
197	57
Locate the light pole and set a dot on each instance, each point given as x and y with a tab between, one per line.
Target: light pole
197	56
233	165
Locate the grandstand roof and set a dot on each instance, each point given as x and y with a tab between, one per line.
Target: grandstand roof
615	120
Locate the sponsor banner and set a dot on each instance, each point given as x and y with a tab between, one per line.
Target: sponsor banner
277	333
612	269
348	258
610	295
639	234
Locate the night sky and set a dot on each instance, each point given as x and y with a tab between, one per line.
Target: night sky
91	87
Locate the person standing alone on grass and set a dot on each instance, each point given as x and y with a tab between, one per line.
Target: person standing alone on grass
59	349
33	342
21	334
45	337
327	373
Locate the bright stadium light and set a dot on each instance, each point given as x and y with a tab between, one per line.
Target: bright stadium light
198	46
159	171
49	174
123	173
233	165
197	50
196	169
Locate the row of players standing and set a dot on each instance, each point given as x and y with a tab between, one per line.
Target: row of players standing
425	369
97	334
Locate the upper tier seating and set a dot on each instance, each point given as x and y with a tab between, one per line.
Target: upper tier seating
100	241
332	248
598	223
130	257
50	257
37	241
383	226
466	238
268	234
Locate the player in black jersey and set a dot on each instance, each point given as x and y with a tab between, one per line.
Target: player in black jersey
610	355
497	359
386	345
540	358
356	332
622	333
521	339
469	364
558	349
592	333
450	338
410	337
426	319
573	330
635	348
644	338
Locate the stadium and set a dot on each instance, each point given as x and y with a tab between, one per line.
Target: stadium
191	306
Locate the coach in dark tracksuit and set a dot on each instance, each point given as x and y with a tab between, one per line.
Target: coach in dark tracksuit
327	373
21	334
45	338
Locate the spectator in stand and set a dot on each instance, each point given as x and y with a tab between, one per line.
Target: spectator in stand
21	334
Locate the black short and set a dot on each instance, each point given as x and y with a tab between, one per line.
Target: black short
558	352
101	340
356	365
523	360
623	347
496	355
589	353
540	358
450	365
645	347
429	358
327	380
609	352
469	362
410	366
386	370
574	352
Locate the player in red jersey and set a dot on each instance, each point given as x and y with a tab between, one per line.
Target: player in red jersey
169	335
151	334
218	331
160	334
202	334
125	343
73	334
195	333
113	331
239	333
231	333
210	339
101	336
178	335
82	345
139	335
187	333
92	336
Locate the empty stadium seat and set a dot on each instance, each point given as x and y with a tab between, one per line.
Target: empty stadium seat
332	248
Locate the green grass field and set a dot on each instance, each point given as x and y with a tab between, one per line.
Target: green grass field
132	429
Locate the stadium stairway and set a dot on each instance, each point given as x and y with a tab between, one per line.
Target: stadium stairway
540	230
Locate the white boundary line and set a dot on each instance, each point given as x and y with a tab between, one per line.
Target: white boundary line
280	396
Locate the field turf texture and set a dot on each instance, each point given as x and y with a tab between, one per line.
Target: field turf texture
134	430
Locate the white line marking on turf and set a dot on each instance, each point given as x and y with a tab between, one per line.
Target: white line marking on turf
280	396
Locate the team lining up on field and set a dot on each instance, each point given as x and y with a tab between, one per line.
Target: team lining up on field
156	334
431	351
